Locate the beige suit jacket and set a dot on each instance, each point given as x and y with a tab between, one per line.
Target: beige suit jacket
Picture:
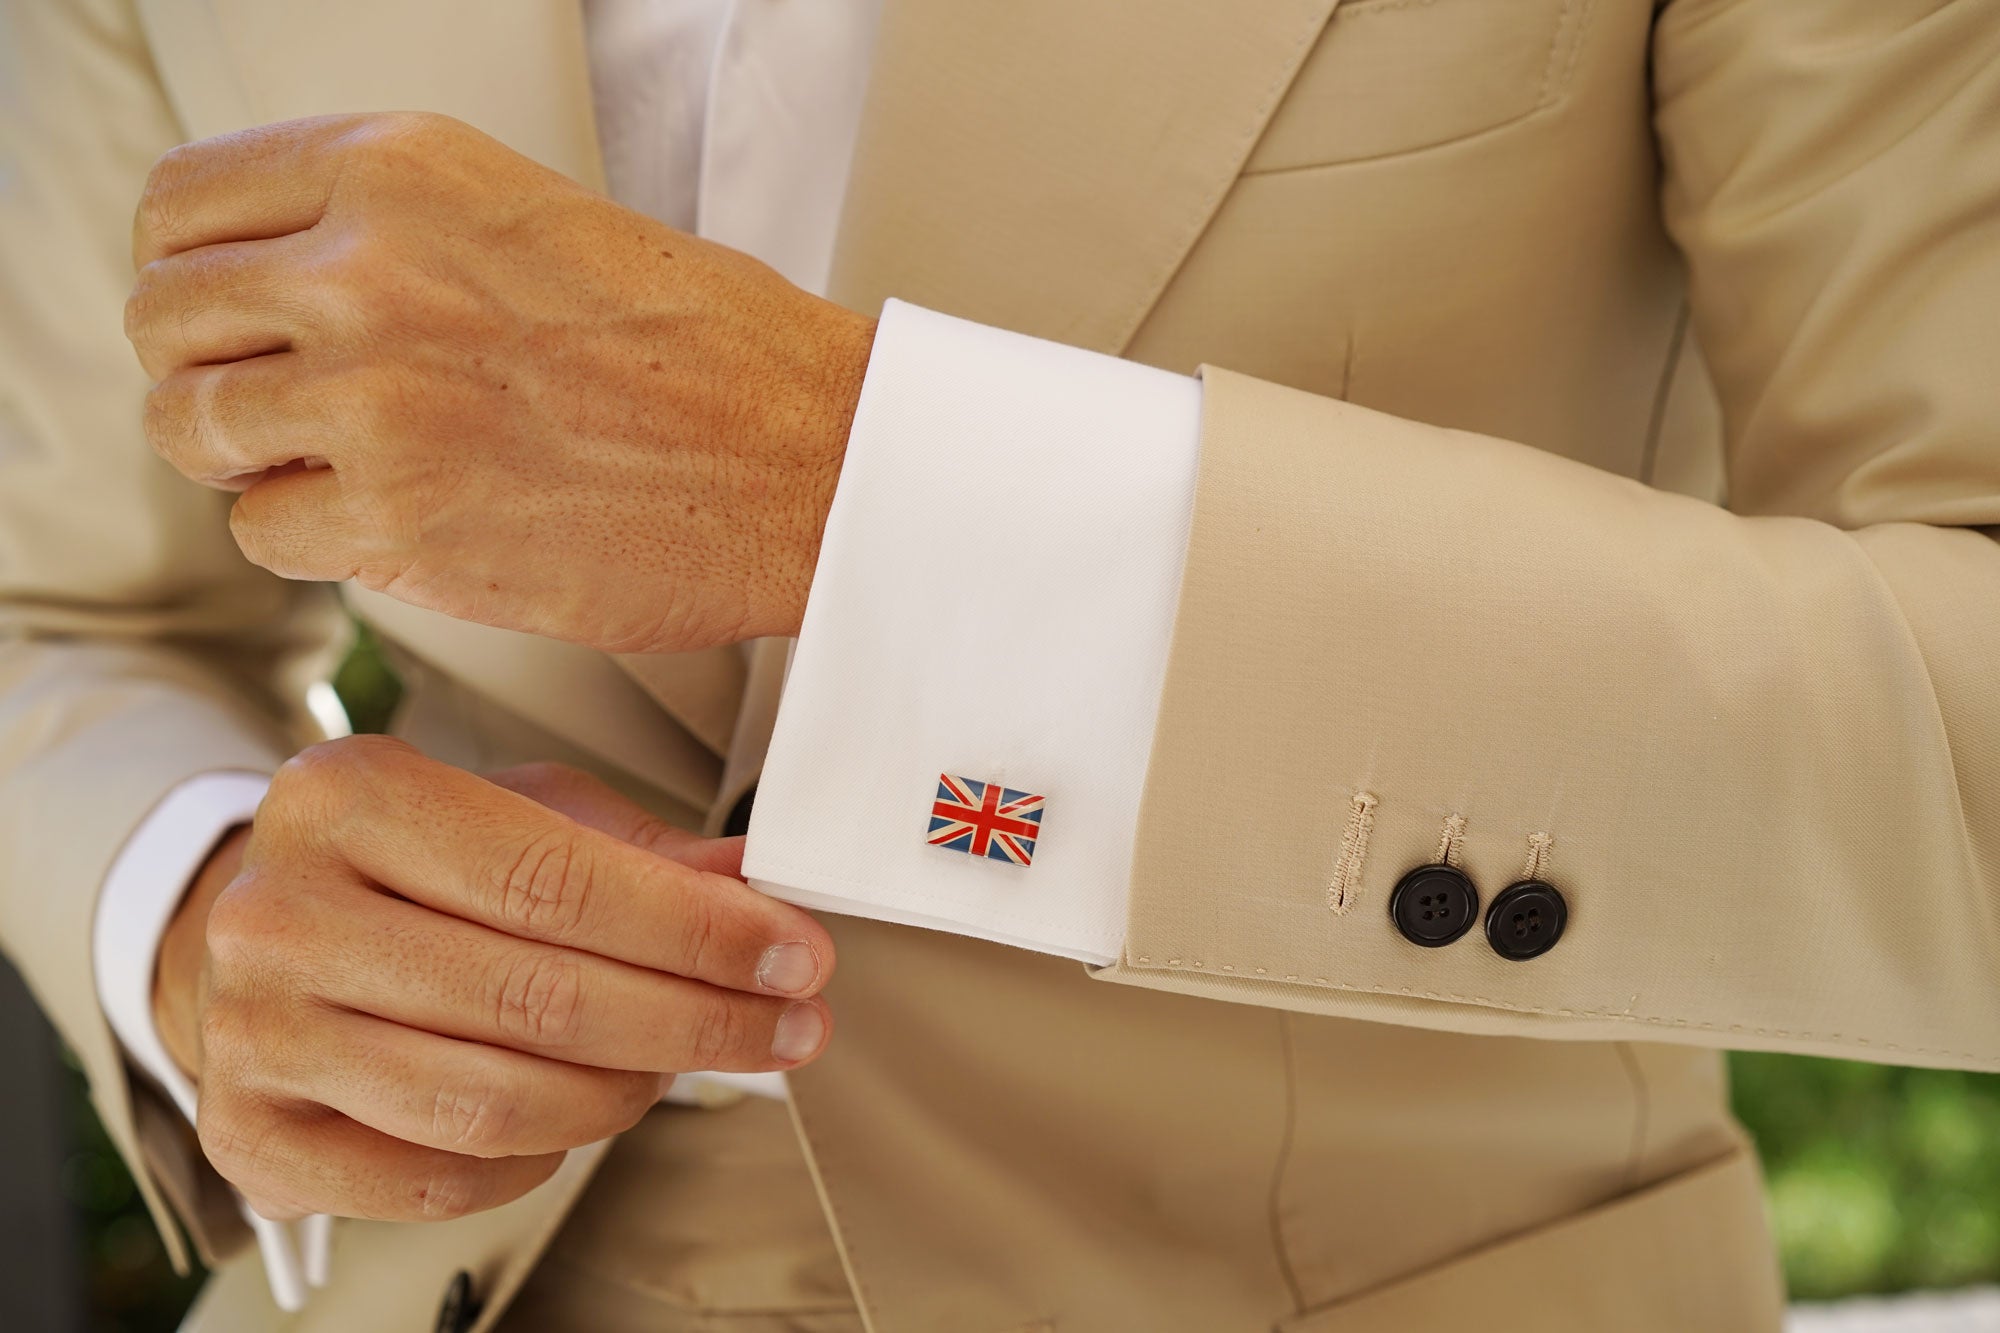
1492	280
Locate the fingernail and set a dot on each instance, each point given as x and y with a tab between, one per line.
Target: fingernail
788	969
801	1028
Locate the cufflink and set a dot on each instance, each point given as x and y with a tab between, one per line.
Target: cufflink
985	819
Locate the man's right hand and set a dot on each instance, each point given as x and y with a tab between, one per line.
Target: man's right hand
422	986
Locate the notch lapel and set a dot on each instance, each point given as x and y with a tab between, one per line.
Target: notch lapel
1045	165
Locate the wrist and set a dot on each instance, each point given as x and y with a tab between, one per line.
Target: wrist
846	344
177	976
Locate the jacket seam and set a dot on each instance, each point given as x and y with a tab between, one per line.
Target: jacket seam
843	1239
1642	1113
1286	1269
1146	962
1656	420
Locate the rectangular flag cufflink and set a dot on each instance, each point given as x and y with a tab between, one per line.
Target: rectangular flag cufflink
985	819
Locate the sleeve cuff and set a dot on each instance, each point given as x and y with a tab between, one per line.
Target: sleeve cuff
988	625
144	886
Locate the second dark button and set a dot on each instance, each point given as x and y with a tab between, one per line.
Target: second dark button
1434	905
1526	920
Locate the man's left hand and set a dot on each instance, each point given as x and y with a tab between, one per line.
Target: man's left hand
438	368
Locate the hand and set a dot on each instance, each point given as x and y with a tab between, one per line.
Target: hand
421	987
451	374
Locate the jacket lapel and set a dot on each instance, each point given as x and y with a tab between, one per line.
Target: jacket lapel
1045	165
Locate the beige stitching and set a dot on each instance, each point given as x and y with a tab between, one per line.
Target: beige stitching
1346	886
1450	853
1538	855
1627	1016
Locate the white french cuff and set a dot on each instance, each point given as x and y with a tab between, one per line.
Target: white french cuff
988	624
147	880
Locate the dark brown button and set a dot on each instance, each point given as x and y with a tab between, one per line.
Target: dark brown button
1526	920
1434	905
460	1309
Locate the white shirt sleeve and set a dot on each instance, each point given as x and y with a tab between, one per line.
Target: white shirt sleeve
147	880
988	624
144	886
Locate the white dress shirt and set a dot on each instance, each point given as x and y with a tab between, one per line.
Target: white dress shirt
995	593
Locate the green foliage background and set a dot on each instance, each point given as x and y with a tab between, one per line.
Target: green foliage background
1881	1179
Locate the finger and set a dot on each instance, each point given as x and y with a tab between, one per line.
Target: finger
217	303
405	963
591	801
462	1096
225	426
294	521
291	1159
461	845
271	180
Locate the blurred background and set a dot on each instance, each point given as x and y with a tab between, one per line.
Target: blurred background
1881	1180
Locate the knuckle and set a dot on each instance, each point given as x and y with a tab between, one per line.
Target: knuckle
141	309
224	1040
702	934
392	128
657	835
545	889
324	779
169	418
237	1143
448	1193
716	1031
253	541
357	264
539	999
471	1115
243	921
160	199
387	144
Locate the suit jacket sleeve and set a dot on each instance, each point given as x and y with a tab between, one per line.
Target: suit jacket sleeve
137	647
1758	750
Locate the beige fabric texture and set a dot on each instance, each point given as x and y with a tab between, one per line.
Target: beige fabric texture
1477	283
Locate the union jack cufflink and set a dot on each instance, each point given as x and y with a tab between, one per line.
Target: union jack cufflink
985	819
